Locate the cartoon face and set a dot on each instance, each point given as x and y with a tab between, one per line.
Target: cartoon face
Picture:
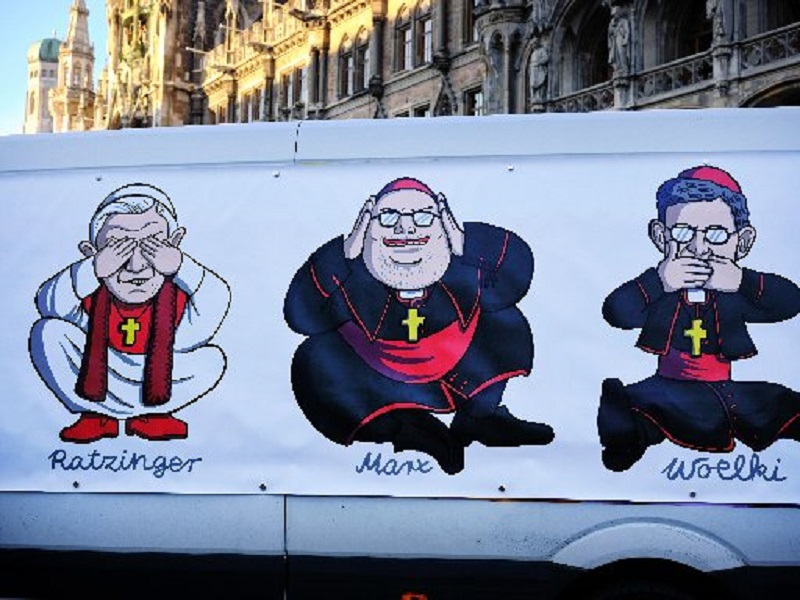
703	229
136	281
406	246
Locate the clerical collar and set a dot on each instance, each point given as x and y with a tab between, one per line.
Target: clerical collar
696	296
410	294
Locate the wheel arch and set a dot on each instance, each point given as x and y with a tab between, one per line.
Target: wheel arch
670	541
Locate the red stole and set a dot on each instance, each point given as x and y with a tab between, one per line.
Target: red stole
160	317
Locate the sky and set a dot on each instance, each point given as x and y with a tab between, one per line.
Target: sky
32	21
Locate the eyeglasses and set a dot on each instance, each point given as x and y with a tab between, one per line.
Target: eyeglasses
421	218
716	234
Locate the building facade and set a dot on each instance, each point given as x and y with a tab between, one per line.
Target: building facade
348	58
173	62
148	79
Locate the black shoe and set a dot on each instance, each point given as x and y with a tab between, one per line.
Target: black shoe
423	432
622	458
500	429
616	426
619	434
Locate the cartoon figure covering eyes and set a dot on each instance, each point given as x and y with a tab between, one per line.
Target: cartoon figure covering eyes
411	315
125	332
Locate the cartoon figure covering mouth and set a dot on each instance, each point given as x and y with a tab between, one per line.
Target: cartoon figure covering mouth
411	315
693	309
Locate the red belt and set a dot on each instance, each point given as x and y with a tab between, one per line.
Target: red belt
682	365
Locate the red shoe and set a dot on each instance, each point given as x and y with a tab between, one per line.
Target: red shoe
157	427
89	428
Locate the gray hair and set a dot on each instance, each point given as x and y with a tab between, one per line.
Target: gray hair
134	198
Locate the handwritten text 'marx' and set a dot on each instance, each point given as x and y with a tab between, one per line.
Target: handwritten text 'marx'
392	467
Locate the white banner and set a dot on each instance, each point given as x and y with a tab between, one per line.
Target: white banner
161	351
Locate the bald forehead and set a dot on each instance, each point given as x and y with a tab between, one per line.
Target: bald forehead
405	200
133	225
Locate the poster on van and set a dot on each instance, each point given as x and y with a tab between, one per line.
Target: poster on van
599	327
403	318
125	333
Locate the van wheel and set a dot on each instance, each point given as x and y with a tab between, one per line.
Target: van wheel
642	590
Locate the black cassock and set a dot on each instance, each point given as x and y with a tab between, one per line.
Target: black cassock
370	351
691	398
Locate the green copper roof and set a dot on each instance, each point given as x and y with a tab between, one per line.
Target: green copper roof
44	51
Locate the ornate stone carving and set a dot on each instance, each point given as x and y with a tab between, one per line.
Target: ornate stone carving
537	72
619	34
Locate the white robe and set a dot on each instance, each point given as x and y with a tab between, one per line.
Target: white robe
58	339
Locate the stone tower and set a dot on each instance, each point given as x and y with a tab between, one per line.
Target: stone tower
42	77
72	100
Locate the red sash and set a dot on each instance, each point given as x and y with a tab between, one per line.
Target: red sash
682	365
429	359
154	337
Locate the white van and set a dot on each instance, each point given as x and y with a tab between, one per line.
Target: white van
547	356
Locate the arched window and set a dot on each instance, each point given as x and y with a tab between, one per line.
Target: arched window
285	92
593	49
257	105
688	30
245	112
300	84
567	68
32	103
404	42
469	33
346	68
772	15
582	41
783	94
423	35
783	13
473	104
361	61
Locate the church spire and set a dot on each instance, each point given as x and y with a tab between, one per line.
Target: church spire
72	100
78	32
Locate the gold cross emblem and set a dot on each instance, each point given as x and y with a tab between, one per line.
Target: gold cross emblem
697	334
413	322
129	328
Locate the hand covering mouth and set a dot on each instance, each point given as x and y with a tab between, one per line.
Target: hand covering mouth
404	242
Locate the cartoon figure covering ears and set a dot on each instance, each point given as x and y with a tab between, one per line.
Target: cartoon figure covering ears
693	308
411	315
125	332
